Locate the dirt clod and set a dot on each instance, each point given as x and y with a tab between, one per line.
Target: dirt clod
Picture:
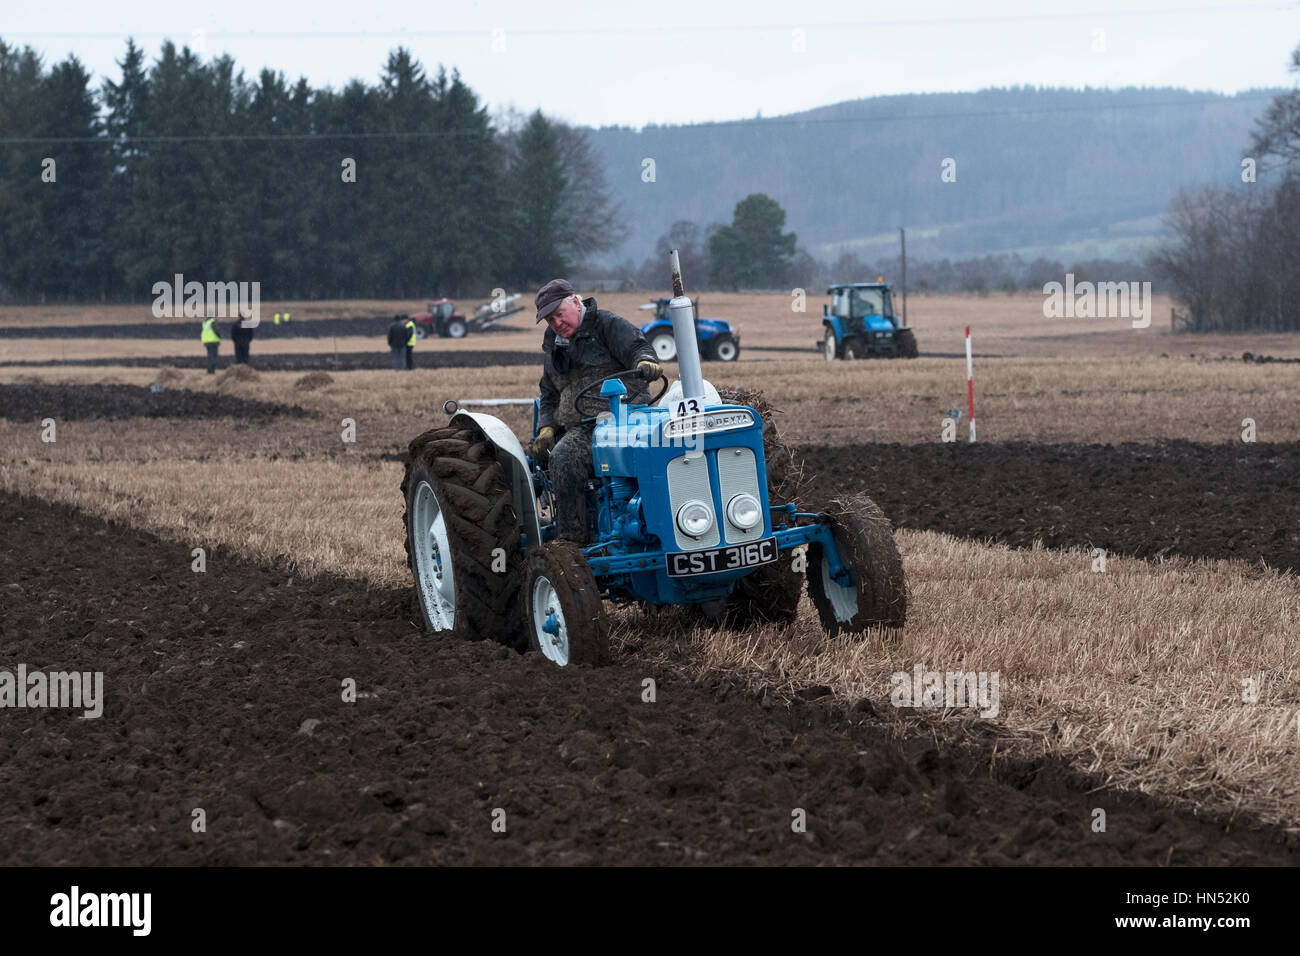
312	381
237	373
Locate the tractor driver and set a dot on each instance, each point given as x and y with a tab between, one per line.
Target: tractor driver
583	345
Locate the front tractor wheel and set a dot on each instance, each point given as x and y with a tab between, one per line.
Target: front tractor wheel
665	346
865	540
830	348
462	538
562	608
853	349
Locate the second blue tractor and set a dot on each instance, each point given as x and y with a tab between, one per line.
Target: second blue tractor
716	339
860	323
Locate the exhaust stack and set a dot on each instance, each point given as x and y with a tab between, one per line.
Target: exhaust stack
682	314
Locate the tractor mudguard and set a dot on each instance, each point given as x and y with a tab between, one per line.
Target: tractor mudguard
514	460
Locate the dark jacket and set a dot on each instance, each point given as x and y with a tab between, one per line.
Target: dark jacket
240	333
398	333
604	343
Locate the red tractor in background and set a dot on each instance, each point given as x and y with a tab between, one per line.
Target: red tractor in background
443	318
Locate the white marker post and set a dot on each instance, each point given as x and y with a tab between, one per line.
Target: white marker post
970	385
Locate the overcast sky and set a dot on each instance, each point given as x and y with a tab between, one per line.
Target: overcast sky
669	61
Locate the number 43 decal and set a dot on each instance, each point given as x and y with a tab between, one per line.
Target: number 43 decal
686	407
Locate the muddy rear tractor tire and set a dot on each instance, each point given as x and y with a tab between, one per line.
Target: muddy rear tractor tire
865	540
456	328
907	344
459	512
563	611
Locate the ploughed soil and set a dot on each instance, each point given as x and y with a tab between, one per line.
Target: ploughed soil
1198	500
224	692
81	402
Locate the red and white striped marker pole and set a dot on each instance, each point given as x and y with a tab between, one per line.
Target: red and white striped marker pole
970	385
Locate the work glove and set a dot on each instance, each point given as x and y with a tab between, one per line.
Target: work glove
649	370
543	443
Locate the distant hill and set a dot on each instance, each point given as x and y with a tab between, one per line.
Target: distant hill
1057	172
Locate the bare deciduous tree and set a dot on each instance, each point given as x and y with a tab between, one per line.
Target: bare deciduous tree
1278	130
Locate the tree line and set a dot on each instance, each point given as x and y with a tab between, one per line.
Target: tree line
753	252
394	190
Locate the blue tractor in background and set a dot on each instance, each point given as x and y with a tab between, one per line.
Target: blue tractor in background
690	503
860	323
715	339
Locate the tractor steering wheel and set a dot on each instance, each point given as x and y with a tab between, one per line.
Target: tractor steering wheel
582	395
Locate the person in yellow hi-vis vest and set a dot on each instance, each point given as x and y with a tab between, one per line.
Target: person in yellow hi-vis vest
211	340
410	344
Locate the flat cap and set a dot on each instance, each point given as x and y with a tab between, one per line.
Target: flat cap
551	295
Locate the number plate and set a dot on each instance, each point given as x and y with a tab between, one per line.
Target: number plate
682	564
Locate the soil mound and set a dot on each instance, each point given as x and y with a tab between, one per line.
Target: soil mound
312	381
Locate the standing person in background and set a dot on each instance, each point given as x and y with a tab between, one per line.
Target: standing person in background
410	344
211	340
241	335
397	336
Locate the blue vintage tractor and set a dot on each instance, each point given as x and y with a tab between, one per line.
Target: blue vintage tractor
715	338
689	503
860	323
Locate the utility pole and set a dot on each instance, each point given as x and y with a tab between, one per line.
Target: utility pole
902	238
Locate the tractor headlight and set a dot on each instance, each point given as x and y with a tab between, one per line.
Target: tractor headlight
695	518
744	511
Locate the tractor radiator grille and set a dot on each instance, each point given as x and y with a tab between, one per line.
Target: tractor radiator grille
738	474
688	480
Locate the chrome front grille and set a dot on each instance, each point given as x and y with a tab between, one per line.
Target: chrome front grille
738	474
688	479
